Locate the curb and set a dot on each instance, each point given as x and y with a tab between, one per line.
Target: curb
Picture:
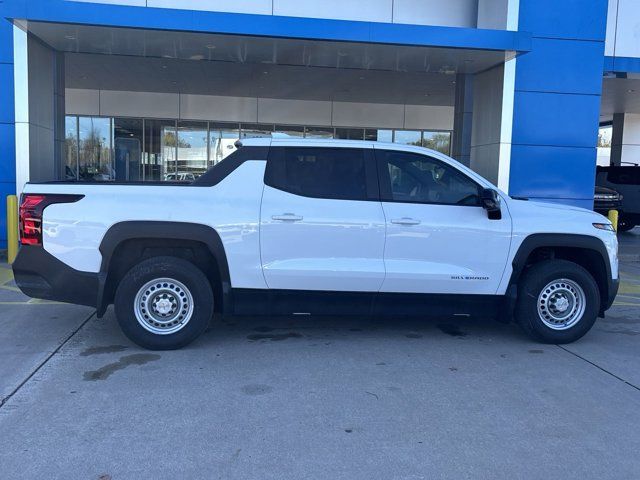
629	257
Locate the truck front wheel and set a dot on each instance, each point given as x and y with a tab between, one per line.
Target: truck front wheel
558	301
164	303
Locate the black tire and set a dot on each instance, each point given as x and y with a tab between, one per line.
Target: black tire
185	273
530	286
624	225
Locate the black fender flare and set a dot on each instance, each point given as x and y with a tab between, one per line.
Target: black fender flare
131	230
567	240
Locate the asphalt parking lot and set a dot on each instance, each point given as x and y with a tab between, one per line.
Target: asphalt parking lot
317	398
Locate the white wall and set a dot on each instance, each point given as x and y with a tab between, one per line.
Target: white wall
492	123
450	13
453	13
256	110
498	14
21	101
623	28
625	147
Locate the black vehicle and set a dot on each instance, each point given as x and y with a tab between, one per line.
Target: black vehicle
605	199
624	179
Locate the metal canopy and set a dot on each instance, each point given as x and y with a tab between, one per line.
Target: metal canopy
619	95
264	50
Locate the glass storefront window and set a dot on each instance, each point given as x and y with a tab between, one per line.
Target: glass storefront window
604	145
255	130
131	149
127	149
160	143
70	160
318	132
374	135
288	131
222	139
94	159
350	133
408	137
439	141
192	150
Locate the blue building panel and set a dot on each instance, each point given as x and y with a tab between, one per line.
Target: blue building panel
264	25
568	19
561	66
574	202
6	41
7	106
563	173
555	119
7	125
7	153
622	64
553	154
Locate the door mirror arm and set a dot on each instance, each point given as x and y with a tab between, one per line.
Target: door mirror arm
490	201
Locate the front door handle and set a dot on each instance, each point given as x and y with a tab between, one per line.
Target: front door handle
405	221
287	217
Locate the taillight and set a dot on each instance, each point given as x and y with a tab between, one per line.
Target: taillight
30	215
31	220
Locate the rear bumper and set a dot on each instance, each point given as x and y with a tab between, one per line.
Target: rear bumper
40	275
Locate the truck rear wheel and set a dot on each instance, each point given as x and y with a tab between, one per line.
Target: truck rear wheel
558	301
164	303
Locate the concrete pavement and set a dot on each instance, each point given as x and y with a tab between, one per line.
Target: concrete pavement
32	330
629	245
330	398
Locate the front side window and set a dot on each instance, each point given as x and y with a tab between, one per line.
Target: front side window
413	178
337	173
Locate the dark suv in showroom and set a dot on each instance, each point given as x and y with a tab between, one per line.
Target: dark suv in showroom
624	180
605	199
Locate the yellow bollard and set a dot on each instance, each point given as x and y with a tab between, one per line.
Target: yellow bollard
12	228
613	218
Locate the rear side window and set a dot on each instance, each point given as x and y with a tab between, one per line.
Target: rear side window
223	168
337	173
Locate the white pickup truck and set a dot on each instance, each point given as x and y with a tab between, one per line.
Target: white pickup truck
316	227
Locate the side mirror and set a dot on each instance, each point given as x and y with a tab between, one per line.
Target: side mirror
491	203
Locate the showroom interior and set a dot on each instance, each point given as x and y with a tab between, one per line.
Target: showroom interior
521	91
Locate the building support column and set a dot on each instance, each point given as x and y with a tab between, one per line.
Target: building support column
462	119
59	114
40	109
625	138
557	102
21	99
7	124
492	123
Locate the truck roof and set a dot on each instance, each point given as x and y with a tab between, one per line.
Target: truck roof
332	142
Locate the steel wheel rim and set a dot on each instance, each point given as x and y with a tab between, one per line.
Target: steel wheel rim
163	306
561	304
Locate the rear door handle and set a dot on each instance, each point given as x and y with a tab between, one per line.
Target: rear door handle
287	217
405	221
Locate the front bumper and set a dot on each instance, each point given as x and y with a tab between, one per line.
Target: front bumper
614	285
40	275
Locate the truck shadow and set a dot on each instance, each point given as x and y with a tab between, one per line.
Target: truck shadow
277	328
